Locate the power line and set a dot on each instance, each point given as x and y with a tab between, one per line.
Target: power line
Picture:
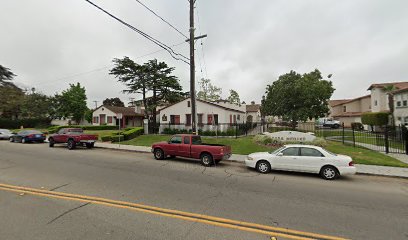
145	35
161	18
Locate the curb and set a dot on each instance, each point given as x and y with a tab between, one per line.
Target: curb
238	161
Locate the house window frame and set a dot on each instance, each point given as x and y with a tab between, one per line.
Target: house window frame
399	104
344	108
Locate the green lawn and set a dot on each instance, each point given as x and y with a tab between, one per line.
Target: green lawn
246	145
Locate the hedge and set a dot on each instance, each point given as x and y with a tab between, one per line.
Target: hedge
55	129
26	123
357	126
375	119
123	136
230	132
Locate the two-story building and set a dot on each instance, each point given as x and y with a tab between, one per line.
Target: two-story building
348	111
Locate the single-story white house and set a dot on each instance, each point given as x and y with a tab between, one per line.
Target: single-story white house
210	116
253	112
108	115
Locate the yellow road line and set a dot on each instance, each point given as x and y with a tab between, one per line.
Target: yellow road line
216	221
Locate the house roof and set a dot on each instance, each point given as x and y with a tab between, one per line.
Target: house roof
210	103
398	85
253	107
349	100
126	111
400	90
333	103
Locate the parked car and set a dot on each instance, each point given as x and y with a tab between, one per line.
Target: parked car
73	137
25	136
328	122
302	158
5	134
191	146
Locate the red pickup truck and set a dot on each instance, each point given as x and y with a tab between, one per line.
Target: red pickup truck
73	137
191	146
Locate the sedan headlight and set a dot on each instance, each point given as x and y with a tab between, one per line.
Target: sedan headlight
250	158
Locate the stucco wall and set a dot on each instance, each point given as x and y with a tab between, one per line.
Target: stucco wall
401	112
102	110
379	95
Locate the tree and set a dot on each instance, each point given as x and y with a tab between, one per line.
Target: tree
11	99
208	91
389	89
234	98
113	102
36	105
5	75
71	103
296	97
88	115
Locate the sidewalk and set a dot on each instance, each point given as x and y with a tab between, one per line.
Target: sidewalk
361	169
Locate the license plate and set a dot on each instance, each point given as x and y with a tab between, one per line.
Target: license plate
38	135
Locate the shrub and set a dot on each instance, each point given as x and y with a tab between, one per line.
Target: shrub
117	138
55	129
375	119
357	126
106	138
132	133
321	142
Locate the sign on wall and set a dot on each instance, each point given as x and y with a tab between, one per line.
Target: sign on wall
291	136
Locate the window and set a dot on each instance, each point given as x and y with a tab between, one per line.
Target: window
293	151
96	119
405	119
404	103
238	117
216	119
375	103
310	152
344	109
235	118
175	119
399	118
200	119
196	140
188	119
399	104
187	140
109	119
209	119
188	103
175	140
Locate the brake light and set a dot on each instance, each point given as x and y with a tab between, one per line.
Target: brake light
222	150
31	135
351	163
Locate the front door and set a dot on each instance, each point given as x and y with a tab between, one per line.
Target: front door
288	160
184	148
311	160
102	120
174	145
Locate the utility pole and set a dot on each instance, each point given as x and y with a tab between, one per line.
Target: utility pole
96	104
192	67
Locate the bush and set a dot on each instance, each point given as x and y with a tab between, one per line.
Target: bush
123	136
55	129
321	142
26	123
357	126
375	119
132	133
106	138
117	138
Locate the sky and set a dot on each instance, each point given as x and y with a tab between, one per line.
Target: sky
49	44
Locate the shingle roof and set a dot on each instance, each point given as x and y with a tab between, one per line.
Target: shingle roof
333	103
349	100
126	111
211	103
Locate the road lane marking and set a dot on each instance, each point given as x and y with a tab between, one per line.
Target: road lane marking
215	221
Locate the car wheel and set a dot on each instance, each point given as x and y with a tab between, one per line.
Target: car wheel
51	142
329	173
11	139
263	166
206	159
89	145
71	144
23	140
158	154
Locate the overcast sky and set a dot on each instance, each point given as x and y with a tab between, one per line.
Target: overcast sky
50	44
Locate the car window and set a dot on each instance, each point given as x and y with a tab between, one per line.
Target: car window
292	151
187	140
175	139
196	140
22	132
310	152
61	131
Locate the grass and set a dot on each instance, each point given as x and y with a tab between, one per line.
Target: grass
246	145
364	156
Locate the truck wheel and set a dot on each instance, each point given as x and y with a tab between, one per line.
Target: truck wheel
71	144
206	159
89	145
51	142
158	154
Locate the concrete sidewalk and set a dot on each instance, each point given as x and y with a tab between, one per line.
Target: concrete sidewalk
361	168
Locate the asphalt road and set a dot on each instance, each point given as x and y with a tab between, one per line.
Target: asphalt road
356	207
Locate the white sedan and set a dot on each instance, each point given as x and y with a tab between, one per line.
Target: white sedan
302	158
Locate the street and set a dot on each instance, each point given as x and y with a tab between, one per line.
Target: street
92	181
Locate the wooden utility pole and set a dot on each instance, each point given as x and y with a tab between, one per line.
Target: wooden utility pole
192	69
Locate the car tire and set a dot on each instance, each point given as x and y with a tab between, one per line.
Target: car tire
89	145
158	154
263	166
329	173
206	160
71	144
11	139
336	126
23	140
51	142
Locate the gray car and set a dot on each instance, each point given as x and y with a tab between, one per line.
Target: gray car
5	134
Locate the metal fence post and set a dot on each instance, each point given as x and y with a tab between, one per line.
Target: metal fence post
405	138
354	137
343	132
387	147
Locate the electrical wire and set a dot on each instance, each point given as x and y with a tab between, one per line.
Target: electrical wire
161	18
145	35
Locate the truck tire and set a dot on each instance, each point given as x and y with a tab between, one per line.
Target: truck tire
206	159
158	154
51	142
89	145
71	144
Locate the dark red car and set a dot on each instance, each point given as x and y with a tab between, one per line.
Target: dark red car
73	137
191	146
